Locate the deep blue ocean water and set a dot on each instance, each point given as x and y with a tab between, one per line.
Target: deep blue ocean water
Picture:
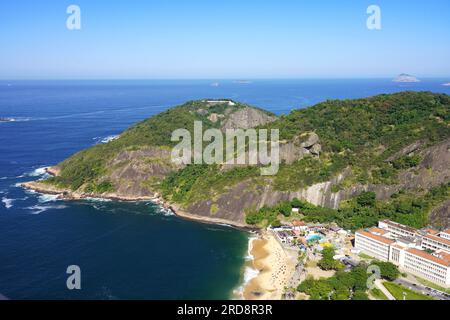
124	250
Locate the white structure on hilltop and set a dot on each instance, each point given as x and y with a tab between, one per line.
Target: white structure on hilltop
425	253
216	102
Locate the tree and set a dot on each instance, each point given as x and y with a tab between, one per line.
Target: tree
285	208
296	203
360	295
388	270
366	199
316	289
327	262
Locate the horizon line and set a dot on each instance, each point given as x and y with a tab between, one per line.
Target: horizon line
219	79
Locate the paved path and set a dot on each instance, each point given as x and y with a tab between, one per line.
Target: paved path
383	289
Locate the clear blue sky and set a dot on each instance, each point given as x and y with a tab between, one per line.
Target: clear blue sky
223	39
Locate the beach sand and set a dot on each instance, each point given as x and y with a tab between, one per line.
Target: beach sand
275	269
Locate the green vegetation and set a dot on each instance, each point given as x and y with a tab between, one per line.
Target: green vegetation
366	199
308	171
378	294
364	211
388	270
364	256
89	165
327	262
366	132
199	182
345	285
407	162
100	188
350	285
269	215
357	134
398	292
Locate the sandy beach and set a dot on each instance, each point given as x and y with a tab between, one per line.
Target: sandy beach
275	269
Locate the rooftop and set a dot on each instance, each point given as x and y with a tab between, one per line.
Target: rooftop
400	226
438	239
440	258
375	236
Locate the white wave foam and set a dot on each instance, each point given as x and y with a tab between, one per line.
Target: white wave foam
166	212
38	172
249	256
44	198
104	140
16	119
7	202
27	191
249	274
91	199
37	209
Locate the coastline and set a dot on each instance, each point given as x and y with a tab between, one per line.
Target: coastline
69	195
268	267
273	268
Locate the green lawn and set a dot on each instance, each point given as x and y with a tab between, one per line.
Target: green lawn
398	290
378	294
365	256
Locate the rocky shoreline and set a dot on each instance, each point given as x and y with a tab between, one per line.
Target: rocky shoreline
69	195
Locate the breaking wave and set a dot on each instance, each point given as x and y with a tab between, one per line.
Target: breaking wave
8	203
39	172
45	198
103	140
14	119
37	209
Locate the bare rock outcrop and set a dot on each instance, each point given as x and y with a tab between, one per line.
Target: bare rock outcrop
300	146
132	172
247	118
440	216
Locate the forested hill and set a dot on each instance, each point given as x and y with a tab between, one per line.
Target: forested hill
392	146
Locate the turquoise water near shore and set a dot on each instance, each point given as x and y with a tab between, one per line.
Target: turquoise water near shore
124	250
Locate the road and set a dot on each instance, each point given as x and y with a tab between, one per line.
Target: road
436	294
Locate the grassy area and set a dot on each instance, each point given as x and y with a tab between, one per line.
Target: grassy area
365	256
378	294
432	285
397	291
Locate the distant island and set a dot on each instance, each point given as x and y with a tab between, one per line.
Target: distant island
406	78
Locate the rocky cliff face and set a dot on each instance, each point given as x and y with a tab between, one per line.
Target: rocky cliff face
431	172
135	165
440	216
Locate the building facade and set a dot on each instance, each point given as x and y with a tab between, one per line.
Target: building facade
418	252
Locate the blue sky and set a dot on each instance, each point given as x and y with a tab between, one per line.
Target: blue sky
156	39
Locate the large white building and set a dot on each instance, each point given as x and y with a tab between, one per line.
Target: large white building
425	253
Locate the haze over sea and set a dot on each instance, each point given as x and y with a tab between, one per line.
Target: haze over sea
125	250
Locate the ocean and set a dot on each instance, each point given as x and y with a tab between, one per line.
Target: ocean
124	250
